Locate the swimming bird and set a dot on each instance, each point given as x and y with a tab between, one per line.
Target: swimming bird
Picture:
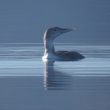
49	51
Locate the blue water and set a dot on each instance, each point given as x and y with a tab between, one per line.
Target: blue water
27	83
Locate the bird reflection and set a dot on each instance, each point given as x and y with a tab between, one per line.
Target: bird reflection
55	80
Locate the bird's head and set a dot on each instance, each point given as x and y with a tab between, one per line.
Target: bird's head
54	32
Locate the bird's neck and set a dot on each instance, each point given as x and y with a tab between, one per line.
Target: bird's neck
49	46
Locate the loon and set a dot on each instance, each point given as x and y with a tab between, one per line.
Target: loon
49	51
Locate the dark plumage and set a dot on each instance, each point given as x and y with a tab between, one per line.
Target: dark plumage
69	55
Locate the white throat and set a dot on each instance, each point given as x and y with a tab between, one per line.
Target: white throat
49	50
49	46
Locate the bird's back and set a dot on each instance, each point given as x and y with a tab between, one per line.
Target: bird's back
69	55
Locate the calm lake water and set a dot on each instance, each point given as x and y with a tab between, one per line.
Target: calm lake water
27	83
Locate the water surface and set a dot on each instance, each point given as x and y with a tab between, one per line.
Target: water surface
28	83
